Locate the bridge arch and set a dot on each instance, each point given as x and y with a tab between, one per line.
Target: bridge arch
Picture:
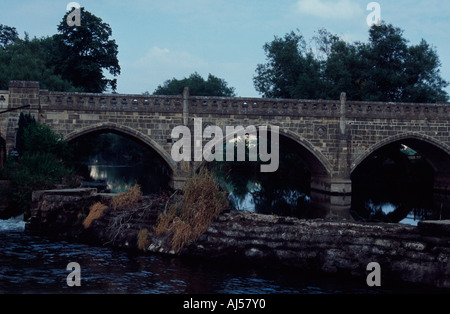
316	162
434	151
126	131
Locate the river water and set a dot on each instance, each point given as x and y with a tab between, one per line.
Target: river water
36	265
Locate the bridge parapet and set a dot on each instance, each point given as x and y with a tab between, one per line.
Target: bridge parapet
390	110
264	106
240	106
109	102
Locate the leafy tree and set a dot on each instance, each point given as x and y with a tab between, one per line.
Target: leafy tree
31	60
198	86
291	70
85	52
385	68
8	35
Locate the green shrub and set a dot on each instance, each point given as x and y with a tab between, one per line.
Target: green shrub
41	164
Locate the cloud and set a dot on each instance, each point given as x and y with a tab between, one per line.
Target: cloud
167	60
327	9
156	66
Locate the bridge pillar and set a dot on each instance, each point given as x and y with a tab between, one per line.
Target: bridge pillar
181	174
331	197
331	194
22	94
333	186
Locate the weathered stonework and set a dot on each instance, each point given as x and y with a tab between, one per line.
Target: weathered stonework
335	135
419	255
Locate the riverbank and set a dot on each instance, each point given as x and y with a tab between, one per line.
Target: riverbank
410	254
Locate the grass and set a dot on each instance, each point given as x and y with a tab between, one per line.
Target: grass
187	220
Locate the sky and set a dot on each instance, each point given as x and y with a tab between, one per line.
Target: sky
163	39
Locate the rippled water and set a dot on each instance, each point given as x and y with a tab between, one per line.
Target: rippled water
30	264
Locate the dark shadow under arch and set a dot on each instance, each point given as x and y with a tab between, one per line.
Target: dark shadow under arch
399	172
316	162
435	152
146	163
127	132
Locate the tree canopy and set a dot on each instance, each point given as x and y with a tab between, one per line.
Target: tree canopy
72	60
85	51
198	86
386	68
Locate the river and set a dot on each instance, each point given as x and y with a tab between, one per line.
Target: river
36	265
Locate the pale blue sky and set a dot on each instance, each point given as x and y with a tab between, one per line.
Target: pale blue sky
162	39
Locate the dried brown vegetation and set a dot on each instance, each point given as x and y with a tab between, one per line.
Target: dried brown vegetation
142	239
187	220
95	212
128	198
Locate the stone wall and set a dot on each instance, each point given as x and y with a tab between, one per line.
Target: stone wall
419	255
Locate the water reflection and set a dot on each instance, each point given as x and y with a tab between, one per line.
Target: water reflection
119	178
113	163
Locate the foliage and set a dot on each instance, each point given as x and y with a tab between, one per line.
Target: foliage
187	220
384	69
95	212
85	51
291	69
41	164
72	60
8	35
31	60
198	86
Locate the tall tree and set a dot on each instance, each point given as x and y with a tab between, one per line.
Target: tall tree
291	70
385	68
198	86
85	51
31	60
8	35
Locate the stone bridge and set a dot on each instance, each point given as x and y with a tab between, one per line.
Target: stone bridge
334	136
